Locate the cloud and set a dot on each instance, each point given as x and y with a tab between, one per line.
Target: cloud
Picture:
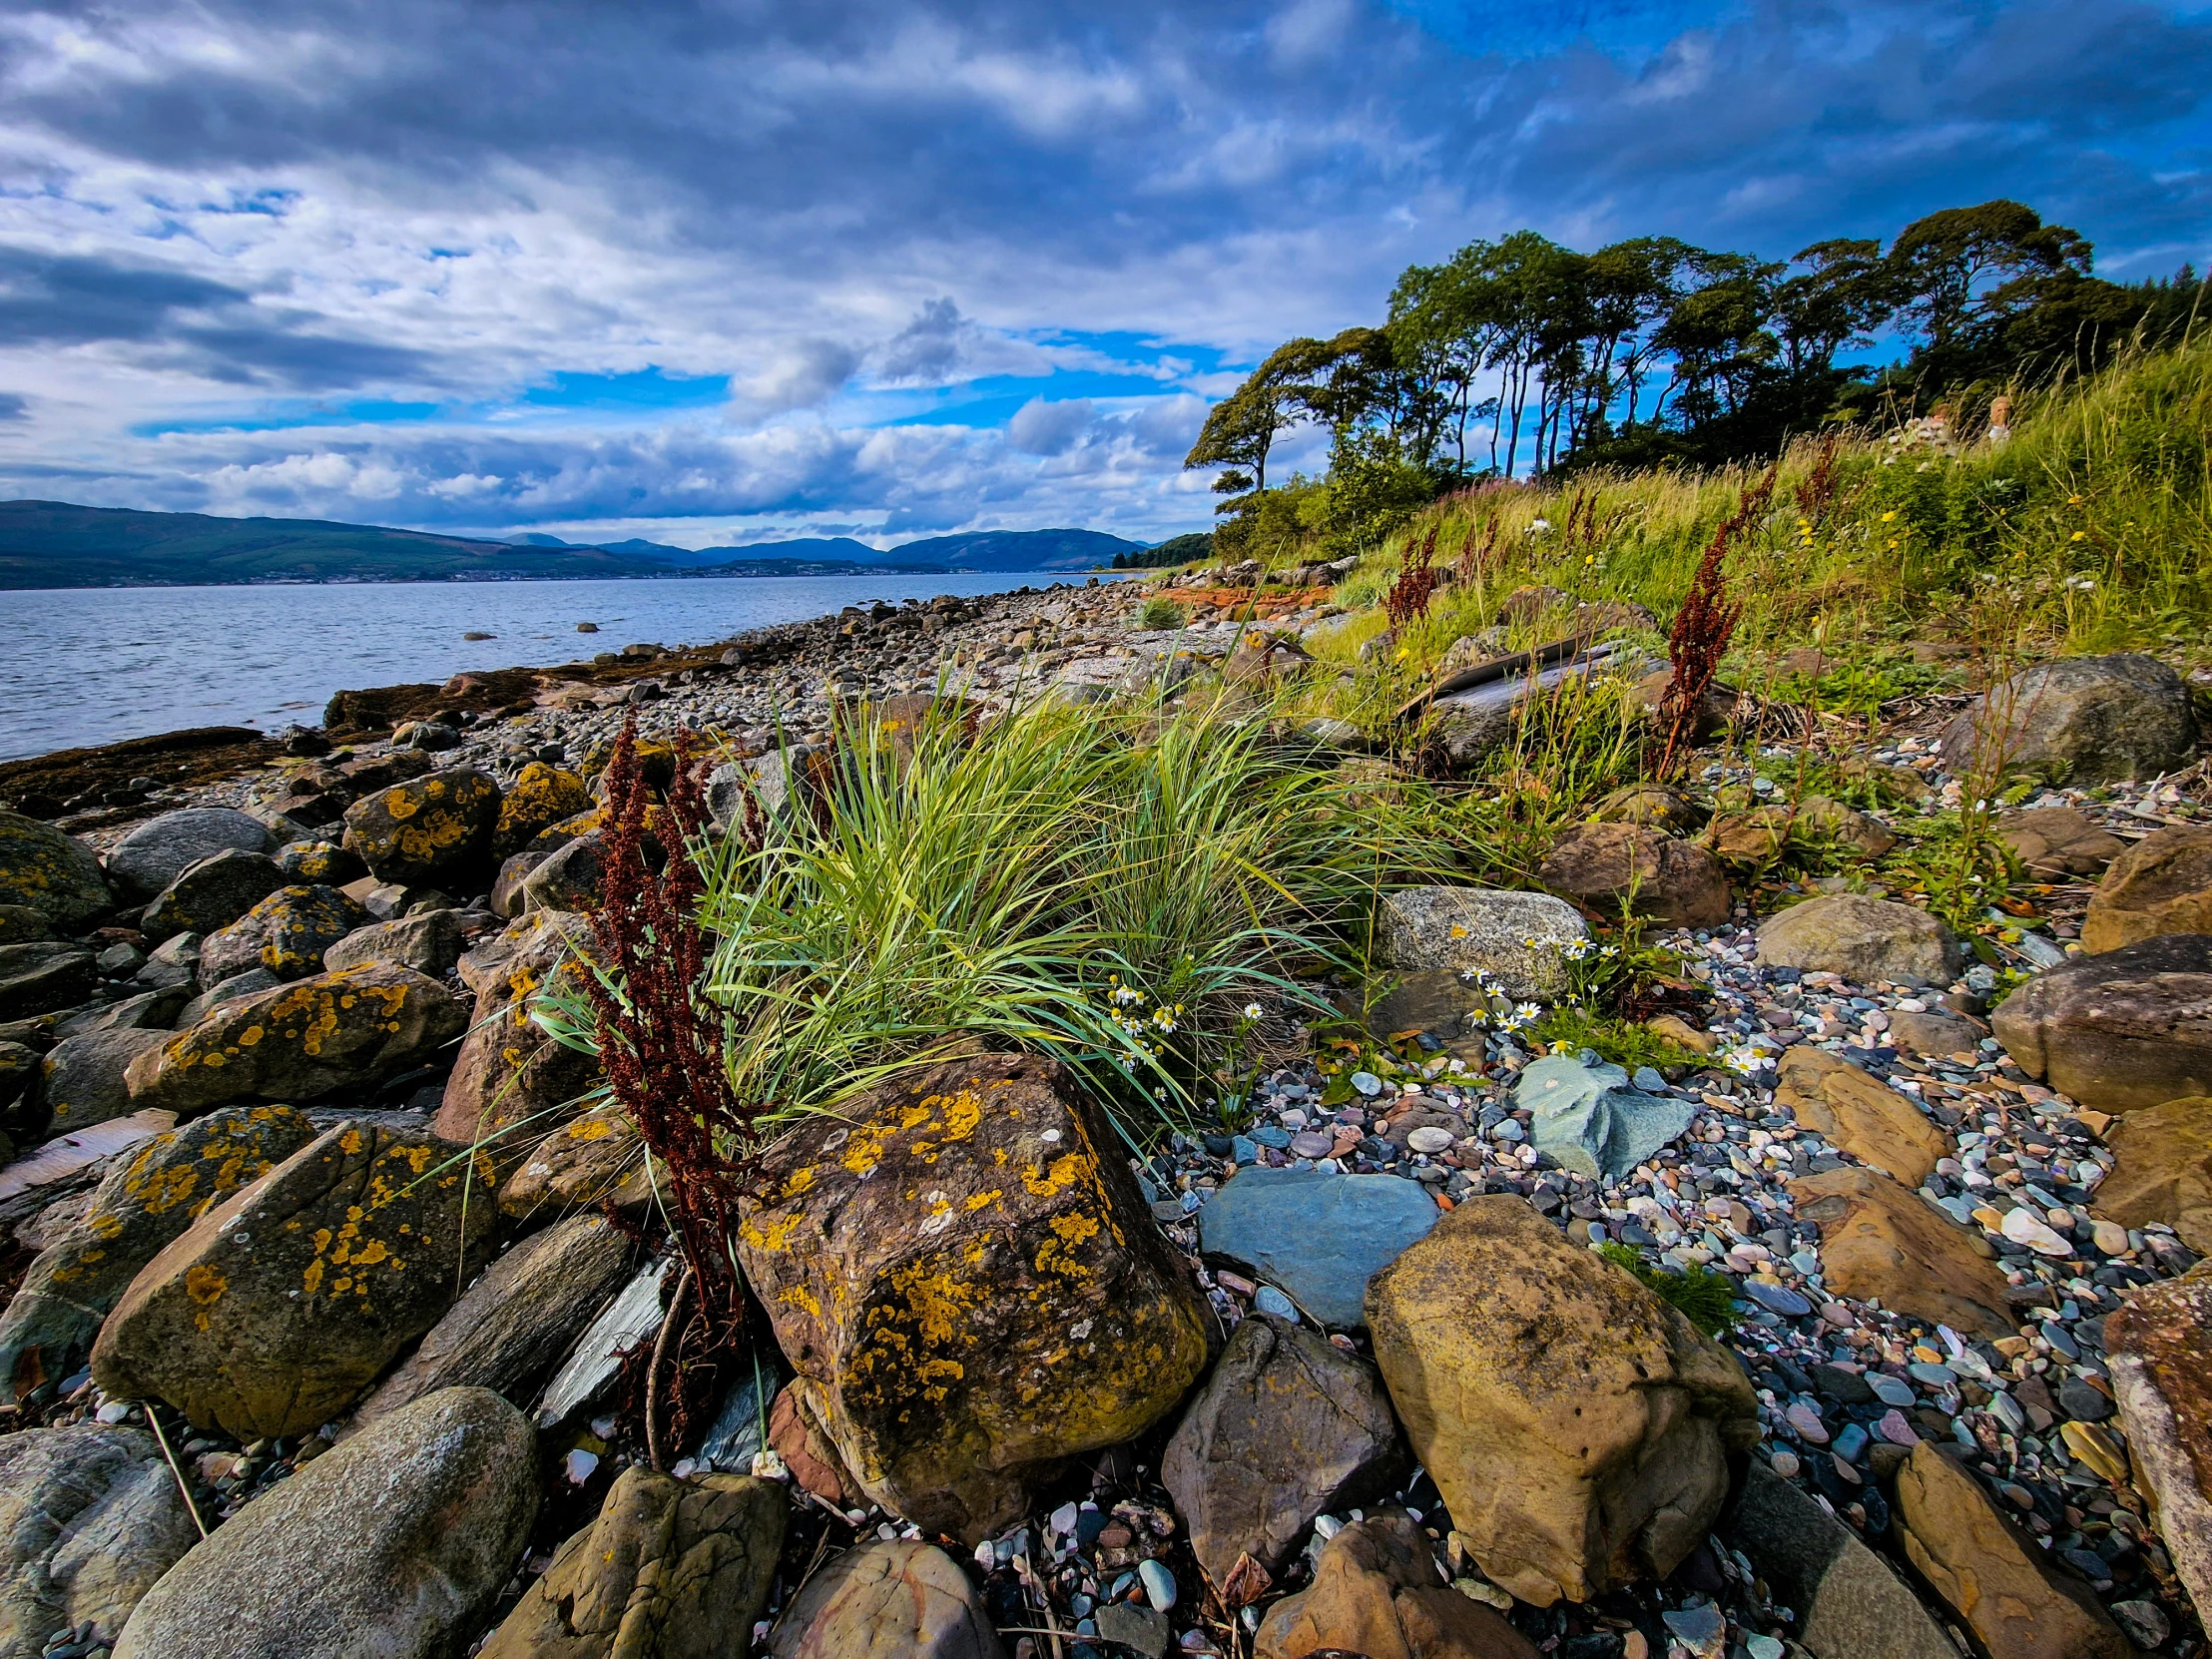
14	406
800	375
928	348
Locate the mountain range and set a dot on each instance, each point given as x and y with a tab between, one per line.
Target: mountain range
56	544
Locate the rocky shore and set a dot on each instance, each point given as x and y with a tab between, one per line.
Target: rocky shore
332	1303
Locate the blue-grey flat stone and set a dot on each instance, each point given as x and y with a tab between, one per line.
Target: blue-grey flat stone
1588	1117
1776	1299
1319	1236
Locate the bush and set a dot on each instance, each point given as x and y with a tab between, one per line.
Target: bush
1159	613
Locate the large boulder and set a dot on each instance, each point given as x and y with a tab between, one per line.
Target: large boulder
1288	1427
430	942
427	830
393	1545
159	851
887	1601
81	1079
2100	719
336	1032
43	869
212	895
671	1569
570	878
145	1199
1990	1573
1317	1236
1587	1117
1378	1592
274	1310
2055	842
2129	1029
1883	1242
1859	1114
1578	1426
1863	940
2161	884
286	933
89	1518
1520	939
511	1070
1611	867
596	1158
962	1273
541	796
2162	1170
43	975
2158	1343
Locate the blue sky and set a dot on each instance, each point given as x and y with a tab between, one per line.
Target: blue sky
725	269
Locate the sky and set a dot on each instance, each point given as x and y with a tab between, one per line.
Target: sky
719	273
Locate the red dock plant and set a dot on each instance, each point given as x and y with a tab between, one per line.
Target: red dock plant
1407	600
1704	624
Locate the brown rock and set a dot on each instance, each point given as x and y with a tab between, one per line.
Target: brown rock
1608	865
510	1070
1714	710
887	1601
2058	841
2119	1031
1866	1117
2162	1170
591	1160
1529	603
806	1451
2158	1343
1653	806
2161	884
1578	1426
1863	940
1883	1242
1377	1593
1936	1032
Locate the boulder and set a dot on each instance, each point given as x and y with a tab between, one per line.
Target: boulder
18	923
236	988
1578	1426
43	975
1990	1573
568	879
1716	706
965	1277
429	942
2055	842
2127	1029
274	1310
1526	604
1759	835
514	1325
286	933
1378	1592
323	861
145	1199
1317	1236
672	1569
2158	1343
887	1601
81	1079
510	1070
426	831
2162	1170
89	1518
1519	938
1433	1001
395	1544
1936	1031
506	889
1866	940
336	1032
541	796
1590	1119
1881	1242
209	896
1859	1114
19	1069
1287	1428
594	1159
2161	884
159	851
1611	867
1654	807
2100	718
42	868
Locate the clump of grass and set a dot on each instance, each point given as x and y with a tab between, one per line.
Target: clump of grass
1705	1297
1159	613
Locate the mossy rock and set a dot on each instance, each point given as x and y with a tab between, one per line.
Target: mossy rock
541	796
428	829
54	873
286	934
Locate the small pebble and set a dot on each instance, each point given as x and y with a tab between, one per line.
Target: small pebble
1159	1584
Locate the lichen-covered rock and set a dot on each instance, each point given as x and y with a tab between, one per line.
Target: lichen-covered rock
212	895
510	1070
81	1079
2162	1170
594	1159
1578	1426
303	1041
394	1545
20	923
45	870
274	1310
1863	940
45	974
426	830
887	1601
2102	719
965	1277
1607	865
286	934
541	796
89	1518
1881	1241
2161	884
323	861
428	941
1376	1592
2129	1029
569	879
1862	1115
159	851
2158	1342
670	1568
147	1199
1519	938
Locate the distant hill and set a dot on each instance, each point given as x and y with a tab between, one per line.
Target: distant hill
54	544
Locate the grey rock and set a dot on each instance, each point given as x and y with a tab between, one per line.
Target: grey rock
1591	1121
147	1012
1863	940
568	881
1484	930
175	962
430	942
51	873
252	983
81	1079
43	975
1317	1236
158	851
2101	718
211	894
1139	1629
885	1601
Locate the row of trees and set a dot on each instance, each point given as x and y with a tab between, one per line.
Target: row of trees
1522	354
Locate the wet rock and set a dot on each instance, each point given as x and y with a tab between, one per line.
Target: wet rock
2161	884
672	1568
2129	1029
1862	1116
1287	1428
1608	865
428	941
304	1042
1378	1592
81	1079
46	870
2102	719
964	1275
427	830
2162	1170
159	851
1591	1121
2058	841
209	896
2158	1346
510	1070
394	1544
1319	1236
541	796
1991	1574
1863	940
286	933
89	1518
1517	938
273	1311
887	1601
1881	1241
1578	1426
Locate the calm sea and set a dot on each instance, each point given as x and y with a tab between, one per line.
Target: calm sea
83	666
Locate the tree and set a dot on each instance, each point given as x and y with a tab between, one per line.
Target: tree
1846	292
1242	429
1944	265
